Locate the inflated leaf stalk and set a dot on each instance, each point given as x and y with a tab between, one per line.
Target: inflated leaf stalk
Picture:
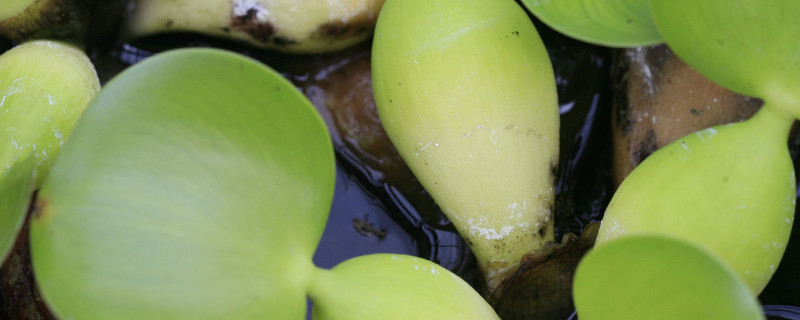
615	23
297	26
44	87
466	93
197	186
655	277
730	189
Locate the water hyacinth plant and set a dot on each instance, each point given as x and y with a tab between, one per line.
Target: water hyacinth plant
206	199
197	185
738	175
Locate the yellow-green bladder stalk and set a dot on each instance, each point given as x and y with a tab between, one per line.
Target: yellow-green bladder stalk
44	88
466	92
729	189
295	26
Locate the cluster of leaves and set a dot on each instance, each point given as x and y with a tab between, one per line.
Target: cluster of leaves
197	185
668	210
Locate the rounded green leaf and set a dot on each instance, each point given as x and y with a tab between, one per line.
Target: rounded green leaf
16	186
654	277
614	23
195	186
44	88
729	189
748	46
394	287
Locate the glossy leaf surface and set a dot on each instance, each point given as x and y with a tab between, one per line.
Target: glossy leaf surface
654	277
196	186
614	23
395	287
748	46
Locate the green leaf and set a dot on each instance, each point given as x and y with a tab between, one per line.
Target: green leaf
386	286
748	46
614	23
729	189
655	277
16	187
195	186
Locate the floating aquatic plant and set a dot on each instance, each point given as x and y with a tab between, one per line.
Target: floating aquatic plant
197	185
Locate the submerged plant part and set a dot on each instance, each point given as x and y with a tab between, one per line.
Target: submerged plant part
466	93
206	198
296	26
656	277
